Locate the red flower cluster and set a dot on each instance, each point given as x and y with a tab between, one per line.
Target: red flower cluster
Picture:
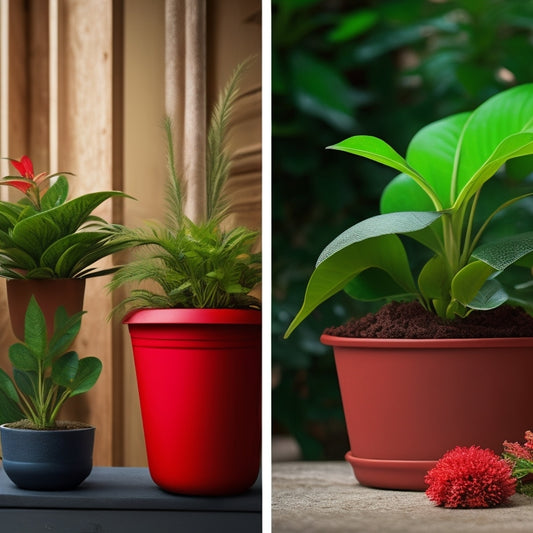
470	478
519	451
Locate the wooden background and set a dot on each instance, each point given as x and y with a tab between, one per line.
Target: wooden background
84	90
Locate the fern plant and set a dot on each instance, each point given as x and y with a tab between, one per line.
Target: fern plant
194	264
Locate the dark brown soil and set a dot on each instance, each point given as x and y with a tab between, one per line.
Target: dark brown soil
411	321
60	424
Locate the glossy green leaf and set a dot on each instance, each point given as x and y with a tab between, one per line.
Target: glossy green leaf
378	150
433	281
375	284
89	369
403	194
9	409
502	253
468	281
27	382
35	234
518	145
22	357
504	115
64	369
432	153
56	194
490	296
35	336
335	270
66	328
17	258
7	387
386	224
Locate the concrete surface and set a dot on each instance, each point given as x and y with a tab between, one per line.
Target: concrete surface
325	497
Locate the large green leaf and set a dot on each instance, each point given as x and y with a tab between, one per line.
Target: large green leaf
468	281
56	194
433	281
386	224
35	335
18	259
403	194
36	233
22	357
375	284
378	150
490	296
64	250
9	410
27	382
432	153
517	145
505	114
64	369
335	270
103	249
89	369
65	330
6	385
502	253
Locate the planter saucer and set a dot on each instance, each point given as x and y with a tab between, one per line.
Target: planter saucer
387	474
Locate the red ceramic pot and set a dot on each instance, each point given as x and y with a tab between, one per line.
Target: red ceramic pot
407	402
199	379
49	293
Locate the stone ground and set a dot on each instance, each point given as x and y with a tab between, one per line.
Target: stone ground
325	497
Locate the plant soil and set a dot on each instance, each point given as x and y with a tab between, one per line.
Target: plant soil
60	424
409	320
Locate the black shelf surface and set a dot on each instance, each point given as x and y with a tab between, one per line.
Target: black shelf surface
116	499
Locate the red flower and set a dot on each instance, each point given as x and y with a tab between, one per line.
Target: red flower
25	169
529	441
470	478
518	451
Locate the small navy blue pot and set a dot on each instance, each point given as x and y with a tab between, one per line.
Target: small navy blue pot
47	459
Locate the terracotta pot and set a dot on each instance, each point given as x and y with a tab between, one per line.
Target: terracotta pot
49	293
58	459
199	379
406	402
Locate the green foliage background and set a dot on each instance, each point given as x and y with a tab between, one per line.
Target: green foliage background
342	68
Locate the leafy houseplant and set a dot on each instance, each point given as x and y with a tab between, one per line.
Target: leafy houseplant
434	200
196	336
45	237
45	375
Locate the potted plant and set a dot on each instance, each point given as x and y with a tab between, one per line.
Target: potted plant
408	400
40	452
196	333
48	244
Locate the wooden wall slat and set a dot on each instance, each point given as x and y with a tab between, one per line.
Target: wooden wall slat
85	147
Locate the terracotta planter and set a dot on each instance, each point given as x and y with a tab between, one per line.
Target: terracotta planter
49	293
406	402
199	379
47	459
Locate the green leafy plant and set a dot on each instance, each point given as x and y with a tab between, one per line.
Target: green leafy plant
43	235
45	373
195	264
434	200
